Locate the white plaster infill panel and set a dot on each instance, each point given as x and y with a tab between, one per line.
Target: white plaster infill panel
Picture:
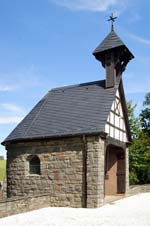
115	126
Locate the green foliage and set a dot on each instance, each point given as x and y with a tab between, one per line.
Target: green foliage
147	99
139	151
133	178
133	121
2	169
139	157
145	120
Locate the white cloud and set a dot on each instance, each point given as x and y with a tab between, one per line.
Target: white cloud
5	88
90	5
12	107
10	120
140	39
11	113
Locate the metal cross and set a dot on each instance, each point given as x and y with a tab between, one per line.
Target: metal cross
112	19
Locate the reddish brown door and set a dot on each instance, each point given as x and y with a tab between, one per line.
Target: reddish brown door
121	173
114	171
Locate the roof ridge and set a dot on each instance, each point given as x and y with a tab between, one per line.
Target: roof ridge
76	85
112	40
116	35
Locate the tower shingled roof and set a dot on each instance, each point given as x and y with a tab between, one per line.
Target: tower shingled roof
111	41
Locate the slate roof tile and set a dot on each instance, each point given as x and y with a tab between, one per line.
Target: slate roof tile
111	41
65	111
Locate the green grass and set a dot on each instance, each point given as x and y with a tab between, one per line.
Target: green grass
2	169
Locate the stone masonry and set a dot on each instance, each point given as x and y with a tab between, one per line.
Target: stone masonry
95	171
72	170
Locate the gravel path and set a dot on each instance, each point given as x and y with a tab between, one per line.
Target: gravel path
131	211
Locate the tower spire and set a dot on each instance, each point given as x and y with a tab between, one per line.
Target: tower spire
112	19
113	54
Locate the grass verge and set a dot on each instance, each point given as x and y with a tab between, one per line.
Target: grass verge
2	169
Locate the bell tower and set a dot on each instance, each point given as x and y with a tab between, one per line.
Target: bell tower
114	56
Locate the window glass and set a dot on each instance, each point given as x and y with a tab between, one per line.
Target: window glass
34	165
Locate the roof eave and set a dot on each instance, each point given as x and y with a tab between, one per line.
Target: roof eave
97	52
102	134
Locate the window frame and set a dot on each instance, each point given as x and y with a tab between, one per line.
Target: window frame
34	165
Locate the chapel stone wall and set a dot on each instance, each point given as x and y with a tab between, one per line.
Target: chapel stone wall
61	170
72	171
95	171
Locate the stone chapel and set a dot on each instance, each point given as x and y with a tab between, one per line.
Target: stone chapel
73	145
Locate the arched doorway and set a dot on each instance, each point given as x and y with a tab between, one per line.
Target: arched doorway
114	170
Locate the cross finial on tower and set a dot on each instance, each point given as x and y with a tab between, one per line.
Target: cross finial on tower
112	19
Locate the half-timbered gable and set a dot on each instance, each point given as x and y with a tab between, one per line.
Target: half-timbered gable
116	125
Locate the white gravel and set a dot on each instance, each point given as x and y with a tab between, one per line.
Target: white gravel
131	211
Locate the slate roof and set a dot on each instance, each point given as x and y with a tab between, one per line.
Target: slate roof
111	41
72	110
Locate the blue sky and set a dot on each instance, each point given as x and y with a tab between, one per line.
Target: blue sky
49	43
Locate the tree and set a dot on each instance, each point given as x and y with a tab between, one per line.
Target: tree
133	154
147	99
139	157
139	151
145	120
145	115
133	121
